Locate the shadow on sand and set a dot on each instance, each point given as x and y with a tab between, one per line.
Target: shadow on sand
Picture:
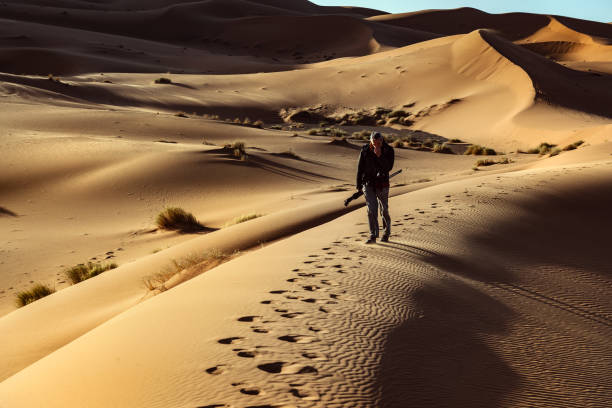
444	357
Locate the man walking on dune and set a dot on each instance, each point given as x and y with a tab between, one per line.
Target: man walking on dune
375	162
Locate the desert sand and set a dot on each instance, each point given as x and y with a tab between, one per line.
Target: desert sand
493	291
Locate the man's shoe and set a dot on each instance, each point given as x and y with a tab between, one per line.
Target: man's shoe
385	238
371	240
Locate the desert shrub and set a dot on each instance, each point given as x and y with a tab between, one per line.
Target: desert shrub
38	291
489	162
397	143
398	114
189	266
237	149
441	148
555	152
237	121
175	218
336	132
480	150
427	143
485	162
247	121
258	124
83	272
328	131
276	127
456	141
163	81
181	115
543	148
573	145
243	218
382	111
406	122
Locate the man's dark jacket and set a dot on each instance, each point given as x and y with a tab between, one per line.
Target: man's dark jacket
372	169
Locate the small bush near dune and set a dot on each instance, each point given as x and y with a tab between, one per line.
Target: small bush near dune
542	149
489	162
163	81
83	272
554	152
480	151
189	266
38	291
485	162
573	146
456	141
441	148
427	143
237	149
276	127
243	218
398	114
181	115
174	218
258	124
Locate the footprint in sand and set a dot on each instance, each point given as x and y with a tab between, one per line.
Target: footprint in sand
251	391
301	339
306	395
259	330
231	340
314	356
250	319
246	353
281	367
292	315
216	370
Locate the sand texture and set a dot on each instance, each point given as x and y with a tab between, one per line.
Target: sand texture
493	291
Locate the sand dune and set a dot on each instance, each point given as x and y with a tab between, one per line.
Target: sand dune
493	291
423	290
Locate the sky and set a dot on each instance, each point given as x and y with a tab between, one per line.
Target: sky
596	10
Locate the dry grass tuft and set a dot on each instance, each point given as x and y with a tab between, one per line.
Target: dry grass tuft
573	146
489	162
163	80
185	268
175	218
38	291
480	150
83	272
243	218
441	148
237	149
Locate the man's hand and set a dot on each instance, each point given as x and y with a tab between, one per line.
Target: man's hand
377	150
